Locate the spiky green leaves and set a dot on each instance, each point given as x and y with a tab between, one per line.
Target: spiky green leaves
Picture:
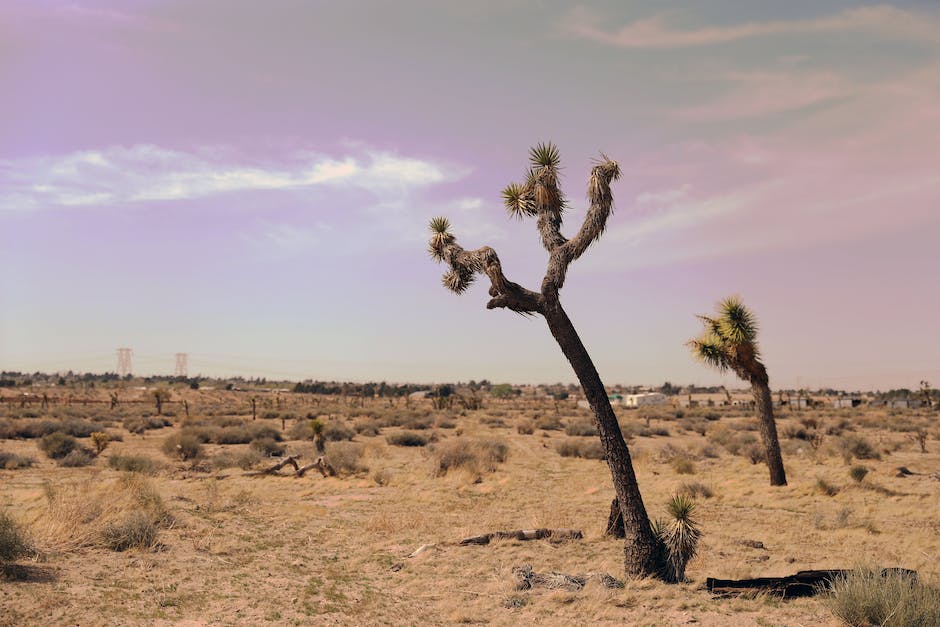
439	225
440	237
736	323
545	155
518	201
458	280
679	534
710	349
729	340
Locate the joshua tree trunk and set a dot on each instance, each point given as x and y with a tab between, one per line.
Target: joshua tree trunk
540	197
763	402
640	545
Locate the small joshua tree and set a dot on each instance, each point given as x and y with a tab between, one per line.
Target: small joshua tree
101	440
680	535
729	342
539	197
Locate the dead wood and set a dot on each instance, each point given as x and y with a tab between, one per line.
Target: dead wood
526	579
524	534
803	584
299	471
615	520
325	469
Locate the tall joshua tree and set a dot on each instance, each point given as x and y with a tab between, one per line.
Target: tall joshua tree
539	197
729	342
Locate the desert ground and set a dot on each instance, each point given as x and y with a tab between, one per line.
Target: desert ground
138	535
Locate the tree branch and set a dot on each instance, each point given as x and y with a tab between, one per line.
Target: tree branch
595	222
466	264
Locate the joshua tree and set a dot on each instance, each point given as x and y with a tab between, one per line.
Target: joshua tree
160	396
729	342
539	197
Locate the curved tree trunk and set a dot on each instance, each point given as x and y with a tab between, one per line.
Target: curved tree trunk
641	548
763	402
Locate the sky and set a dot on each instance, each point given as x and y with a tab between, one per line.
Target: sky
250	183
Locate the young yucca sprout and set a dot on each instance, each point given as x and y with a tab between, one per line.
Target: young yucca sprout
679	535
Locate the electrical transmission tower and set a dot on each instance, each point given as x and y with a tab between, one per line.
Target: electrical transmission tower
124	361
181	365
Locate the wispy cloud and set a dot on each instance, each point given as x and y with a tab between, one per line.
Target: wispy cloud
660	32
758	94
144	172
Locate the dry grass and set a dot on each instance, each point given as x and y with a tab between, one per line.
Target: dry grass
236	549
90	513
869	597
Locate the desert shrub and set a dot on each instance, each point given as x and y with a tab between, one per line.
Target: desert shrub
474	455
710	452
12	461
133	463
382	477
683	465
525	427
233	435
858	473
335	431
824	487
754	453
734	442
445	423
871	597
93	513
853	445
270	415
13	540
366	427
268	446
587	449
345	457
244	460
581	428
695	489
549	423
421	421
228	421
796	433
407	438
140	424
57	444
137	529
203	433
182	446
259	432
77	458
492	421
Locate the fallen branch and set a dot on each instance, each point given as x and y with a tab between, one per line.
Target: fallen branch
518	534
803	584
299	471
524	534
528	579
325	469
273	470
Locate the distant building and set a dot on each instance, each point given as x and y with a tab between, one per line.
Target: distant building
644	399
846	402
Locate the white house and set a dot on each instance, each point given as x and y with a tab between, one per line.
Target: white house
644	399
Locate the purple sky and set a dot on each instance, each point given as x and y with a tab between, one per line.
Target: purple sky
250	183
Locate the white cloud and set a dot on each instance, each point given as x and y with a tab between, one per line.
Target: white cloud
145	172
